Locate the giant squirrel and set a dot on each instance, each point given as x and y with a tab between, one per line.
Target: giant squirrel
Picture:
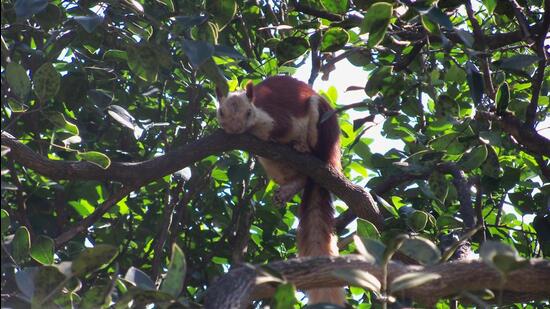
287	111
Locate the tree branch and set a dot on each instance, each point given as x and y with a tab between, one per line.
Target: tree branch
463	191
237	288
531	112
533	142
135	174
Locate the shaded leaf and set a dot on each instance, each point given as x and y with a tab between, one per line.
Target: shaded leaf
18	79
222	11
474	159
291	48
95	157
376	22
334	39
417	220
336	6
61	123
27	8
421	249
366	229
412	280
5	223
21	244
93	259
197	51
142	61
359	278
139	278
48	279
46	81
501	256
517	62
173	282
475	82
285	296
502	98
372	249
90	22
42	250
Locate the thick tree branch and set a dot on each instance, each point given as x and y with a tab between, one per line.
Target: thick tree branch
462	186
533	142
237	288
480	38
531	112
136	174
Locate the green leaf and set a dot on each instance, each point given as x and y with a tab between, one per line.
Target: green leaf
372	249
517	62
83	207
502	98
197	51
96	297
143	61
365	229
47	280
90	22
222	11
24	279
60	123
502	257
376	22
285	296
491	166
360	278
27	8
411	280
5	223
336	6
334	39
490	5
455	74
421	249
42	250
139	278
432	27
95	157
18	79
474	159
376	80
445	222
92	259
173	282
46	81
21	244
291	48
437	16
417	220
475	82
439	185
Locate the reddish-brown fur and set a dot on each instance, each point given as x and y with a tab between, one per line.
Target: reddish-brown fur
281	97
285	97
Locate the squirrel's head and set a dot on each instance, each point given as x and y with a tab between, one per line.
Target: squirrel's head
236	113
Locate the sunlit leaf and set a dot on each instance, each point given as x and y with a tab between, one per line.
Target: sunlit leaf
411	280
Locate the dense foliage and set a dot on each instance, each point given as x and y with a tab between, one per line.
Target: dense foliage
461	83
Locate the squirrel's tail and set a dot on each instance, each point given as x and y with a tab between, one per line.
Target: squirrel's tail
316	228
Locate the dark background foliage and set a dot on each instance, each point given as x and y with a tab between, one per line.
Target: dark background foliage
463	86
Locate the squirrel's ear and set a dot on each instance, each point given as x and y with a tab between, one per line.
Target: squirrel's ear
219	94
250	90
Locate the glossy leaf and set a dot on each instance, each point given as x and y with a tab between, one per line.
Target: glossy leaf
421	249
18	79
376	22
90	22
359	277
366	229
173	282
46	81
95	157
334	39
24	9
412	280
42	250
21	244
93	259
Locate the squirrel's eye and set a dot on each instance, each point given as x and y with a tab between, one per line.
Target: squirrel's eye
248	113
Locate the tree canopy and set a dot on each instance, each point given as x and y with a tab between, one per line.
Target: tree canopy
118	188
